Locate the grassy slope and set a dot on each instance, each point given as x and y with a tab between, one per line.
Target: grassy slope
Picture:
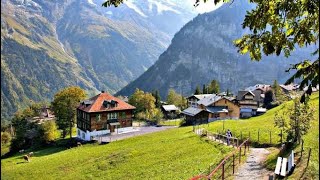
171	154
266	123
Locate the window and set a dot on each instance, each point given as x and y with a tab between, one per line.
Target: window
112	115
83	115
83	136
78	133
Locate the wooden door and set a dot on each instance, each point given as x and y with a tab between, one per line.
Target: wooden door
112	128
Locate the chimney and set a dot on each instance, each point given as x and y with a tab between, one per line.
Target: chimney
102	91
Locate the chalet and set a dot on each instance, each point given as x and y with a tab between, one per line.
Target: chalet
103	114
195	115
220	107
248	101
169	111
45	114
192	100
289	88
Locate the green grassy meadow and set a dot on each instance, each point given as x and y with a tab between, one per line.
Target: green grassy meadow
172	154
175	122
265	124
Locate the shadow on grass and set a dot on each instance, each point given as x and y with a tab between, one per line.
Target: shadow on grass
48	149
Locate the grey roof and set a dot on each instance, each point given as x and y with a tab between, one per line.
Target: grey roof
209	100
256	95
217	109
191	111
200	96
170	107
263	87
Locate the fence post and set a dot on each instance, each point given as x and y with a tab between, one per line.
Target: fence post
258	135
301	149
233	164
240	155
237	142
241	135
309	157
248	144
270	136
223	171
245	147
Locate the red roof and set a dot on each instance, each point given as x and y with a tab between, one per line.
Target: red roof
95	104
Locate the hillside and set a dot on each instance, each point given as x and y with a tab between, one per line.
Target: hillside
170	154
265	124
203	50
48	45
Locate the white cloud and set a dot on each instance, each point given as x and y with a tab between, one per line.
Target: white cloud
135	8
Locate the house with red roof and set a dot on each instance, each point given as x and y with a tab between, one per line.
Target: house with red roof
101	115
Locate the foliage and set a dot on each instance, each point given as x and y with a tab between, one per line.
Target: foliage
300	116
5	138
204	89
176	99
64	105
197	91
50	131
277	26
268	99
145	104
280	96
156	95
171	154
214	87
298	120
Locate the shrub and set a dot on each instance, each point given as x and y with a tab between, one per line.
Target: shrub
49	131
5	137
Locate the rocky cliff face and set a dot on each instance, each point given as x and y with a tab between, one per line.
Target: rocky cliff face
203	50
48	45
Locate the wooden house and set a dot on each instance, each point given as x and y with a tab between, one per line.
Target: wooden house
192	100
248	101
220	107
170	111
195	116
103	114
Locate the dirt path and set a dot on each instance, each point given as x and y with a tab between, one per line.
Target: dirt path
252	168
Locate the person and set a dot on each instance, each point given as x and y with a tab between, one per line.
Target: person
230	133
228	137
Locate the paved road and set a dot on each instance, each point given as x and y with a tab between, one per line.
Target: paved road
253	168
142	130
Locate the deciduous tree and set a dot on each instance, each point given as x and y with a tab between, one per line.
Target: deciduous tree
64	105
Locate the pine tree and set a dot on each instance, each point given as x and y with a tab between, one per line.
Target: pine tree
198	91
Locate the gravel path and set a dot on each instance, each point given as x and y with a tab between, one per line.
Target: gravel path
253	168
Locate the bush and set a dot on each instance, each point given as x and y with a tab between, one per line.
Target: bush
5	137
49	131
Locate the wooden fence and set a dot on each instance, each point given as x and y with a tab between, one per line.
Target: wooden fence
227	166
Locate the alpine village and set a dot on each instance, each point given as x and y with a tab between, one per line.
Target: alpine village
160	89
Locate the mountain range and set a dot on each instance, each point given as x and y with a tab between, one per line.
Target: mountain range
203	50
48	45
